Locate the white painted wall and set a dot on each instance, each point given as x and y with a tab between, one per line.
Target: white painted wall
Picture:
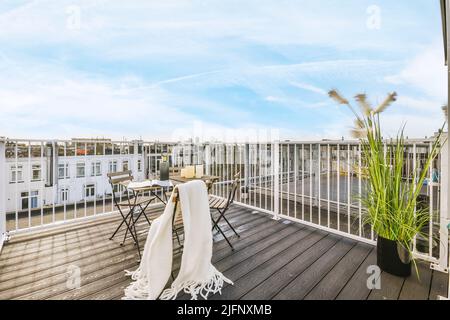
49	195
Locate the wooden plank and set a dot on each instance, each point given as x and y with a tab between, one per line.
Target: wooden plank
299	287
256	238
254	255
46	274
390	288
268	279
271	227
85	240
356	287
29	274
253	249
439	285
333	282
245	230
91	282
60	237
272	258
276	242
115	292
22	284
252	271
96	240
417	286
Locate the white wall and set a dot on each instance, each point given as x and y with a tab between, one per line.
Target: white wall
49	195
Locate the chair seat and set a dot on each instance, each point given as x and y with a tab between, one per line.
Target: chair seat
217	202
139	201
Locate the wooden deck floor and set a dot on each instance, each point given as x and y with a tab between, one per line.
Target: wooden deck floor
272	260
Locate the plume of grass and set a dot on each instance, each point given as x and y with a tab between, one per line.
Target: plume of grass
336	96
364	105
391	97
445	110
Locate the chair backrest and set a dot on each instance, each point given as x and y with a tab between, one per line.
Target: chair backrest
234	187
122	177
116	177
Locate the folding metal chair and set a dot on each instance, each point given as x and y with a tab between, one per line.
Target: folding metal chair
133	202
177	218
222	205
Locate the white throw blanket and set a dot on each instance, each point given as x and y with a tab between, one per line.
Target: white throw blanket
197	275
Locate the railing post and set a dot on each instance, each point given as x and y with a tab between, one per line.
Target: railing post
3	234
276	179
316	171
207	157
442	265
246	167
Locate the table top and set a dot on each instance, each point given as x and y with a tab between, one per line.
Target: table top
148	185
179	178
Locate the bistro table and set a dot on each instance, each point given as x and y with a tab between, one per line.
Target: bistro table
209	180
138	189
151	186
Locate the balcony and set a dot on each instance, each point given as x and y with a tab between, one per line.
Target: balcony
273	260
298	211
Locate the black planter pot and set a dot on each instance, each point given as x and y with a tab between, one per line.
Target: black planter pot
393	257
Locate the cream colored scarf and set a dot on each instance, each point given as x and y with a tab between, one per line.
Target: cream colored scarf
197	276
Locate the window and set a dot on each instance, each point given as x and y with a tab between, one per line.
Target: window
29	201
36	172
16	174
139	165
96	168
89	191
81	170
125	165
63	170
113	166
64	194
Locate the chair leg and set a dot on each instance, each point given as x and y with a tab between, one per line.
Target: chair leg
214	224
124	220
128	229
229	224
225	237
143	211
137	240
178	237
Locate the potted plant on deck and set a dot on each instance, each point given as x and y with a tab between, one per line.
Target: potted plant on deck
391	198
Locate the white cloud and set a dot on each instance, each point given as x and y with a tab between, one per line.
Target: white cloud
426	72
309	87
189	47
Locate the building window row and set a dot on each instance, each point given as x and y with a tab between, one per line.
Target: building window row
17	171
96	169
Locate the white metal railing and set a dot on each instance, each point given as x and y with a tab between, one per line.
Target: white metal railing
2	194
319	183
315	183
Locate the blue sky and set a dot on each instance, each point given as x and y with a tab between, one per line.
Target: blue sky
223	70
